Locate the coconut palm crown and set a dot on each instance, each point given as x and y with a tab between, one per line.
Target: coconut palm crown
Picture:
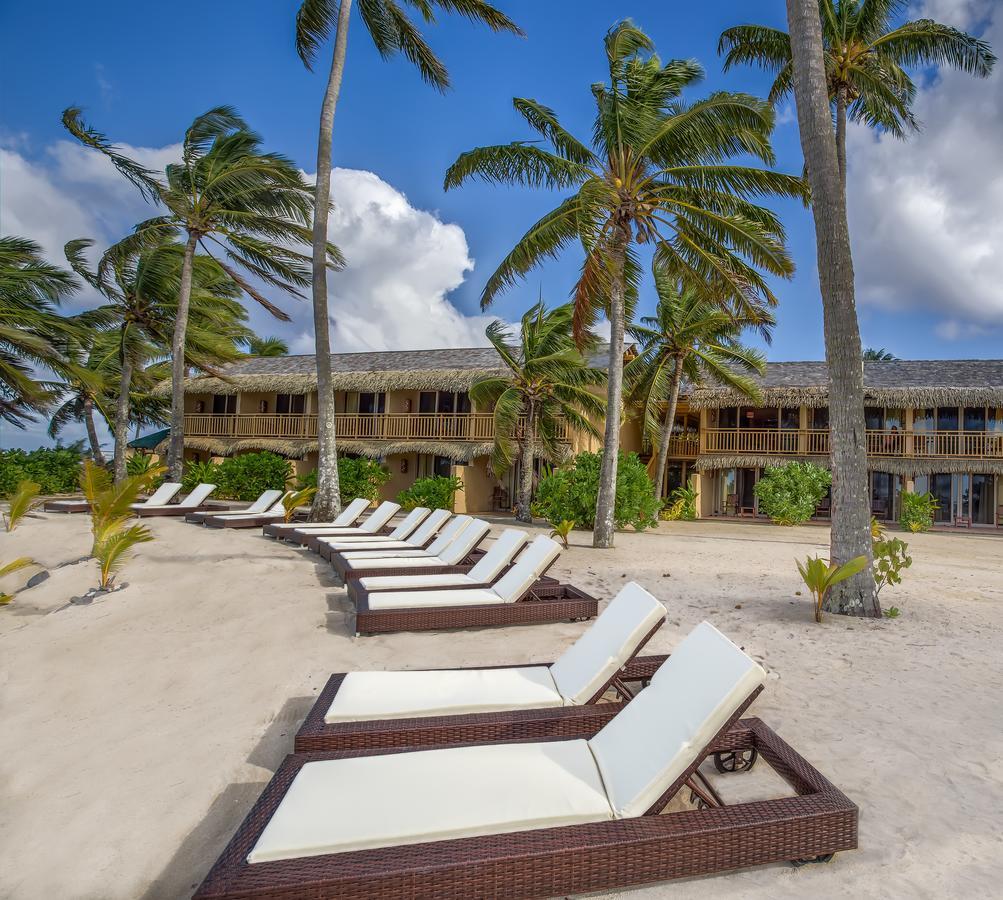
658	171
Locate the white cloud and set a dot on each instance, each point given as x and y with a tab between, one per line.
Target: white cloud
924	212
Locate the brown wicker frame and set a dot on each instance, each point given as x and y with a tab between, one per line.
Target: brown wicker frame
543	602
216	521
66	506
555	723
574	859
313	542
157	512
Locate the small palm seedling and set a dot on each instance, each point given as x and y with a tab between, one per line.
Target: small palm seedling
22	562
561	530
295	499
20	503
878	530
111	551
820	575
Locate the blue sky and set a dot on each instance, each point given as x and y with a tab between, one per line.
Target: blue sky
142	80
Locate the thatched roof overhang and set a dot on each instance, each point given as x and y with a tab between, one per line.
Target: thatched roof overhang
907	468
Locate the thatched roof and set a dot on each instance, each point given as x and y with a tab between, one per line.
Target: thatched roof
711	462
895	383
458	451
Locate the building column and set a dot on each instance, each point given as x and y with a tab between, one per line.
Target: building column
698	484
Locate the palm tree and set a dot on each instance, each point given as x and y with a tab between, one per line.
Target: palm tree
878	355
142	286
657	172
228	198
393	33
266	346
81	397
32	333
864	57
850	536
547	386
691	337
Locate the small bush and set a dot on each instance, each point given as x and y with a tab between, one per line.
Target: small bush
917	511
247	476
681	504
357	477
890	558
196	473
435	492
571	493
789	494
54	469
141	464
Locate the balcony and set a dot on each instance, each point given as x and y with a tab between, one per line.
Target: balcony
476	427
887	443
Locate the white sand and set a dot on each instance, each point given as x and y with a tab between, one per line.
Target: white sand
135	733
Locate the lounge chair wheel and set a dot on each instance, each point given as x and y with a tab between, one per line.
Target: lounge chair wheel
823	858
739	761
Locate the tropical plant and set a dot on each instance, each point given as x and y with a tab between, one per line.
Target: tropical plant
266	346
252	207
561	530
865	57
248	475
22	562
197	473
142	285
694	337
140	464
55	469
20	503
358	476
891	556
917	511
544	391
879	354
84	391
293	500
893	612
393	33
114	550
820	576
682	504
570	493
790	494
878	530
434	492
658	172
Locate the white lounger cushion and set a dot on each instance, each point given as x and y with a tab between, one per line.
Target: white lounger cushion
531	564
160	497
415	599
276	509
364	561
418	581
448	534
262	504
604	649
369	526
352	512
403	695
499	555
192	501
334	806
647	746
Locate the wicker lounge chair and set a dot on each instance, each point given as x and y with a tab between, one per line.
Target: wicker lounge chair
366	710
275	513
268	500
77	505
374	523
199	494
162	495
348	518
517	598
443	570
418	527
540	819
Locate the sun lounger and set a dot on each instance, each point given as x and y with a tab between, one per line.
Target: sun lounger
409	526
194	500
77	505
516	598
443	570
363	710
441	525
541	819
266	501
374	523
347	518
275	513
162	496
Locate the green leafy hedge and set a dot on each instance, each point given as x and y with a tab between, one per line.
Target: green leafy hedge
242	477
571	493
56	470
435	492
790	494
917	511
357	477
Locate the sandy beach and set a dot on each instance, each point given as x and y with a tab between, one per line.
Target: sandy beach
138	730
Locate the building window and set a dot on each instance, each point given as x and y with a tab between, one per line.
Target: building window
443	466
874	418
820	418
290	404
947	418
372	404
790	418
224	404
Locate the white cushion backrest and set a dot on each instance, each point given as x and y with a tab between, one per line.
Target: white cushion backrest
198	494
409	523
267	499
351	512
643	749
531	564
498	556
467	539
278	506
430	527
163	494
379	517
591	661
449	534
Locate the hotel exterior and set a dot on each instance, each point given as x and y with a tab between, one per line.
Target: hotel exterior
932	425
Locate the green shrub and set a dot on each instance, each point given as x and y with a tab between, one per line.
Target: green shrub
681	504
54	469
357	477
890	558
140	464
571	492
435	492
196	473
789	494
247	476
917	511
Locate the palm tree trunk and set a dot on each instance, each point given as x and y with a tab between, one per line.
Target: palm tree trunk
524	500
122	412
327	500
176	447
841	137
668	422
92	432
605	527
851	517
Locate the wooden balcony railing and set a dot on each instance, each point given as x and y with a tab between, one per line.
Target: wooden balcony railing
884	442
477	427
